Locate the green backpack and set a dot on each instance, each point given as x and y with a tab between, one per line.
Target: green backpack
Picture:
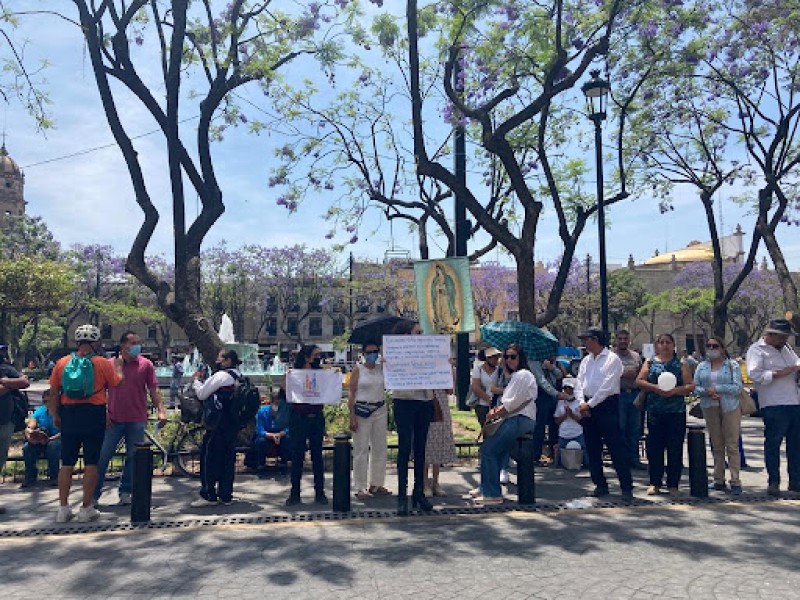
78	379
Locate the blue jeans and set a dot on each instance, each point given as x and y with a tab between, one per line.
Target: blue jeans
494	452
782	422
31	453
630	424
133	434
545	407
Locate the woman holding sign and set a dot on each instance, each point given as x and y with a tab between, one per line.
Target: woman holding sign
306	430
413	411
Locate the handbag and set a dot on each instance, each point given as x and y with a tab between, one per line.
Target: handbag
491	426
364	410
747	405
472	399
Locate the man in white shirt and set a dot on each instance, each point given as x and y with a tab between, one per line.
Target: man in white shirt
773	367
597	391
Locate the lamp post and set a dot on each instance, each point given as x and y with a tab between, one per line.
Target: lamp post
596	92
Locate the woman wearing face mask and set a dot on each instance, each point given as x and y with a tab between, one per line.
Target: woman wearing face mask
666	415
718	383
368	422
218	450
306	430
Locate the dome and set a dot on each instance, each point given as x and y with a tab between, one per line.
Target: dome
8	166
694	252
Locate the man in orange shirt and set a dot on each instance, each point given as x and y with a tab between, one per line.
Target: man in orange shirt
82	421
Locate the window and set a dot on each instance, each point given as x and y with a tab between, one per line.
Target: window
152	332
272	304
291	326
338	326
315	327
272	327
363	304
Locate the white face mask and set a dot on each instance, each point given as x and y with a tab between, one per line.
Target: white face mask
713	354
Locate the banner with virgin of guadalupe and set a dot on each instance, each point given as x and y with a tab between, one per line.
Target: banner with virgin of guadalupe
444	295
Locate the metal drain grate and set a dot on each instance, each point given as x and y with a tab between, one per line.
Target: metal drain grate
544	508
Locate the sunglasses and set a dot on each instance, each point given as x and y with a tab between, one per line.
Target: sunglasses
510	356
712	346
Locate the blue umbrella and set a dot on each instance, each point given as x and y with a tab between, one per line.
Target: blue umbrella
538	344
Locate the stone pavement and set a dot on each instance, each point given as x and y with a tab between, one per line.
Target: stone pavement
724	551
655	548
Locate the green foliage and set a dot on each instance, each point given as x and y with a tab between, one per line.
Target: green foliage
29	285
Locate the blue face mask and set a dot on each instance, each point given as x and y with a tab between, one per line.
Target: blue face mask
135	350
371	357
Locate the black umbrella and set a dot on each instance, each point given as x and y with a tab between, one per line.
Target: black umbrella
373	330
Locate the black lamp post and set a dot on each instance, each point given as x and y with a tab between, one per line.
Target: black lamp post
596	92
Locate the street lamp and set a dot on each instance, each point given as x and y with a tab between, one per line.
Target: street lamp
596	92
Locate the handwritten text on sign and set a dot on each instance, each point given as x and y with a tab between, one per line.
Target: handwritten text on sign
313	386
417	362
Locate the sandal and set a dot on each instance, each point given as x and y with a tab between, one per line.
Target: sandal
379	490
363	495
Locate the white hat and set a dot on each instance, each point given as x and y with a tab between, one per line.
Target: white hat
569	382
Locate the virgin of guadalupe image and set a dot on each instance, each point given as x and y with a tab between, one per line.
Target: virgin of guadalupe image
443	308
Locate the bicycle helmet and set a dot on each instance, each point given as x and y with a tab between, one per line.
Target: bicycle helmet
87	333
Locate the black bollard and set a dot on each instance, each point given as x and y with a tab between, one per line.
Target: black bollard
698	472
526	486
142	483
342	451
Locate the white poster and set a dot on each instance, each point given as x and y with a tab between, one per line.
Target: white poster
313	386
417	362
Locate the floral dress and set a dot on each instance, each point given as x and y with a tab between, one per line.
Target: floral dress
440	448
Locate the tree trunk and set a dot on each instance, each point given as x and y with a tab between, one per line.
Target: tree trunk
788	286
525	280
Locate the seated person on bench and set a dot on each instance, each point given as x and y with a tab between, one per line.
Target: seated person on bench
270	439
42	439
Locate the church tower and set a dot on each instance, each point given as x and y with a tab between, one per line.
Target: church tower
12	183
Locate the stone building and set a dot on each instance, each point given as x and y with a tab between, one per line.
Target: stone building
12	184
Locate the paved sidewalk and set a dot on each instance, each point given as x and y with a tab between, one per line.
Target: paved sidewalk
264	498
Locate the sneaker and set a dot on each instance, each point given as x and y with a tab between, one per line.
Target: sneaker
64	514
721	487
773	490
475	493
503	476
124	499
202	502
87	514
225	502
736	490
653	490
489	500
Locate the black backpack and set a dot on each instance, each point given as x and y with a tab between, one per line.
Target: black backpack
246	400
19	414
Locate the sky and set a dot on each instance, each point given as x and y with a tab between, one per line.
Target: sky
76	179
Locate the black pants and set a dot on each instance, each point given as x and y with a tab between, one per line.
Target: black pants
665	433
412	417
218	462
306	432
603	426
545	408
481	412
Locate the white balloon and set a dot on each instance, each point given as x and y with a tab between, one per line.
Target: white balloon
667	381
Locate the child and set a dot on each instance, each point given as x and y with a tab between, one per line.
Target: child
567	417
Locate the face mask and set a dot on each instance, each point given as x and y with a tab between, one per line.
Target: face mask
135	350
371	357
713	354
316	362
218	365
